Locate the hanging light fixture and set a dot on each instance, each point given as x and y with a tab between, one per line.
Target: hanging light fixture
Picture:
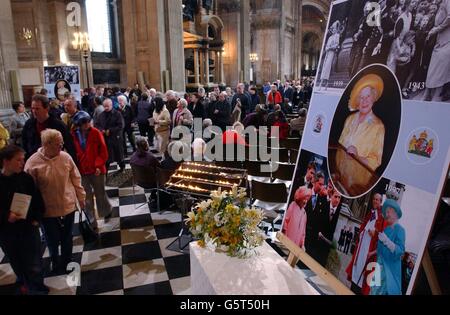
82	43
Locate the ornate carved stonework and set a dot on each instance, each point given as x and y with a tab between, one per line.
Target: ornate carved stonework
290	27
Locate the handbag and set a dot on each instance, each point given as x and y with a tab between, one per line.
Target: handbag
86	230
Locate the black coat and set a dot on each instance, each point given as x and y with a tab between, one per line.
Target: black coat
315	218
245	101
31	140
112	121
128	118
255	101
199	111
327	227
24	184
289	93
223	117
297	97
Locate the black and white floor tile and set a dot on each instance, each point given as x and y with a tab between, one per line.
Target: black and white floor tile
130	257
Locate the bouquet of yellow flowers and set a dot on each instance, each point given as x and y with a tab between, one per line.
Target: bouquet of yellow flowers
226	222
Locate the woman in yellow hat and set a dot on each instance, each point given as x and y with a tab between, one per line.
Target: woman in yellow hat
362	137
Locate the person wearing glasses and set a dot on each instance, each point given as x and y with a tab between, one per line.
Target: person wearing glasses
59	181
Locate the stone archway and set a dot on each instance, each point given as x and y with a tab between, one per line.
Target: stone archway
311	47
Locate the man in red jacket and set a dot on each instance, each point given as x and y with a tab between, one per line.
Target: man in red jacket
92	155
366	248
274	98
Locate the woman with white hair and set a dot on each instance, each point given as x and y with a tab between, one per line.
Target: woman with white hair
59	181
111	124
127	114
182	116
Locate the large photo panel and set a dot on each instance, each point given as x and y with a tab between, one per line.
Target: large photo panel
375	150
60	80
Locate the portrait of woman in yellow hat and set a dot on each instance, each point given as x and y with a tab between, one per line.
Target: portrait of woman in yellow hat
361	143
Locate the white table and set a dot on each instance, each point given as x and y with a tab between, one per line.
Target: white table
265	274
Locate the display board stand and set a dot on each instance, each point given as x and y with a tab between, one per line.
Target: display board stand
427	263
297	254
430	273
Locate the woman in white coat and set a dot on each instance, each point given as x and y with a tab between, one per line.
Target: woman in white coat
161	118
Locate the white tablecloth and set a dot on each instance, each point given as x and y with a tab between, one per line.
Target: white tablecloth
265	274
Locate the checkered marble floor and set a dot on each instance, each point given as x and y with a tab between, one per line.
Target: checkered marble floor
130	257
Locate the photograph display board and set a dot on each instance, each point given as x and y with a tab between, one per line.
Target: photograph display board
62	79
368	181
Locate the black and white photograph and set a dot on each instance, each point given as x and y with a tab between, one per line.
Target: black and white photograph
60	80
67	73
410	37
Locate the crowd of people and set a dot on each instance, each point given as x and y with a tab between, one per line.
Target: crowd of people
57	158
412	40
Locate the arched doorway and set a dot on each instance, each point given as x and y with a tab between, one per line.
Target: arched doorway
310	53
313	28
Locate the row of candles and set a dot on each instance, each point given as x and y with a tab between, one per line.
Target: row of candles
218	182
187	187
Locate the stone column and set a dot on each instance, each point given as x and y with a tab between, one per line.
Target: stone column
202	65
221	72
216	69
245	39
8	59
196	66
61	41
5	95
298	39
175	44
206	55
281	47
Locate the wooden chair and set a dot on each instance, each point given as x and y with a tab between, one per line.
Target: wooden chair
272	198
283	154
293	156
293	143
297	254
284	174
162	178
256	151
230	164
144	177
254	171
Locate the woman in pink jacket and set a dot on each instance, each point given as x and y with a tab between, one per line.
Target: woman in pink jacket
59	181
295	222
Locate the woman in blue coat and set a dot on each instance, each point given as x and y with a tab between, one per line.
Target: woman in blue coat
390	250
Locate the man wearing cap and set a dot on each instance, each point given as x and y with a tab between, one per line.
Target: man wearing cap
390	250
362	136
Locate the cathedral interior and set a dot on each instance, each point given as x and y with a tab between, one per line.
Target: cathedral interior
167	44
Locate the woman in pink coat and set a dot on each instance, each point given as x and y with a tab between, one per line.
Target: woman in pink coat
59	181
295	222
